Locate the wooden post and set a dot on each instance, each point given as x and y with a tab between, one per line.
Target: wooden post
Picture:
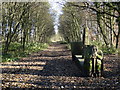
85	36
84	31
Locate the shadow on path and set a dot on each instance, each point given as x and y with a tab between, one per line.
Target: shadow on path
51	68
54	61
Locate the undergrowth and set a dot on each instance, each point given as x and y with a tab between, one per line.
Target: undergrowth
106	49
16	52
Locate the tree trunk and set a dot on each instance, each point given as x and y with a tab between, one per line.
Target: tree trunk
118	36
101	30
84	31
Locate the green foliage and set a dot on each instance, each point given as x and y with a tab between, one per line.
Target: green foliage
96	43
16	51
21	17
108	50
118	51
35	47
105	49
15	46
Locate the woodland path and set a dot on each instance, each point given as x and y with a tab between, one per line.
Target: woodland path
54	68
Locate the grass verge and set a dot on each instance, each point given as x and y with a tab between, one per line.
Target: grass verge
16	52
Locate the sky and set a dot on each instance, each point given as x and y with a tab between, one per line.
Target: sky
56	10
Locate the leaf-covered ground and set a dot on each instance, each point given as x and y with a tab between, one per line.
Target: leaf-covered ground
54	68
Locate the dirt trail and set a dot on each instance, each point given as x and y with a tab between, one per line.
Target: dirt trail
54	68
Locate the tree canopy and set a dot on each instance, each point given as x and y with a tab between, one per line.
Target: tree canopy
100	19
